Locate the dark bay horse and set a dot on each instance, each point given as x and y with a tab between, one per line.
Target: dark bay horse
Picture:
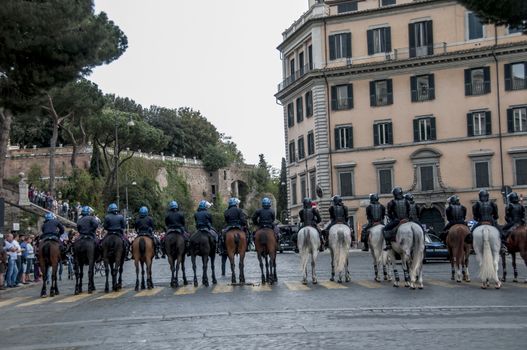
236	243
143	251
84	253
113	254
459	252
265	242
49	256
201	244
516	243
175	250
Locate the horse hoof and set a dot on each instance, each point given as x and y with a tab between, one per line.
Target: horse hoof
458	280
348	279
396	285
315	282
377	279
304	283
332	279
206	284
483	286
515	280
452	278
185	282
421	286
214	281
339	281
90	292
52	294
106	290
76	292
43	295
498	285
196	284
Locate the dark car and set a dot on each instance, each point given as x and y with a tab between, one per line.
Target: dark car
435	249
287	238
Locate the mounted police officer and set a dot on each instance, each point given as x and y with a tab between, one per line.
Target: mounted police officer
87	225
114	223
144	226
398	209
338	213
53	229
235	219
375	212
203	221
265	217
484	211
310	216
175	223
514	215
456	214
415	211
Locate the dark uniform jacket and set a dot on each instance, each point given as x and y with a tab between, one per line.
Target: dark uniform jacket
52	228
310	217
485	212
87	226
203	220
456	214
175	220
515	214
398	209
264	217
144	225
114	223
338	214
234	217
415	212
375	213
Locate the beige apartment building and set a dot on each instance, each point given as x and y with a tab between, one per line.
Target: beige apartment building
418	94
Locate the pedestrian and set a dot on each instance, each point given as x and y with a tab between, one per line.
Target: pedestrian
30	259
18	275
22	266
12	248
3	266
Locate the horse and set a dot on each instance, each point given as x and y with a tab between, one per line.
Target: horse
265	243
175	250
459	252
202	244
410	245
49	256
236	243
516	243
84	253
339	242
143	252
487	247
308	242
376	242
113	254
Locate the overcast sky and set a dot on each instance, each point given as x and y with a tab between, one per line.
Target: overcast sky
218	57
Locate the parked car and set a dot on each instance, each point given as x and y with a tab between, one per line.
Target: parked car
435	249
287	238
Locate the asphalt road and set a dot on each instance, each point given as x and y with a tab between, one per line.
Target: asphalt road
360	314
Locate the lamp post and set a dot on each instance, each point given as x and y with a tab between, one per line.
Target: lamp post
116	155
126	198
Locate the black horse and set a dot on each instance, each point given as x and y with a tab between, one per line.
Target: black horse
84	253
175	250
113	254
202	244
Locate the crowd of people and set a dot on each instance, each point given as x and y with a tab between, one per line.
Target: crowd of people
17	261
49	202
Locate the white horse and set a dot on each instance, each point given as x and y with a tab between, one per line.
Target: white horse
487	247
339	244
377	244
308	244
410	245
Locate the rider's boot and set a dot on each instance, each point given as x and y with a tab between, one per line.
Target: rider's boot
388	245
366	247
469	238
364	239
156	248
503	247
322	243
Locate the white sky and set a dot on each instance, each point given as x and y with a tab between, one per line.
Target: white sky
215	56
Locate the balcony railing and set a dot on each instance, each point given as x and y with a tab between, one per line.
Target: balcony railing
519	84
295	76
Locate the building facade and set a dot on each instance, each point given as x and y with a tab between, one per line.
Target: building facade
418	94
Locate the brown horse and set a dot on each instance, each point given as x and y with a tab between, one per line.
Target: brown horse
265	242
143	253
459	252
516	243
49	256
236	243
175	250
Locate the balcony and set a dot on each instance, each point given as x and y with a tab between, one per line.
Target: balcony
317	11
294	77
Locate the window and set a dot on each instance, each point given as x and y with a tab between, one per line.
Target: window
310	56
292	152
341	97
294	199
474	27
379	40
421	39
427	177
382	134
347	7
301	63
303	187
515	76
292	68
385	181
309	104
423	88
310	143
479	123
381	93
299	110
313	184
344	137
517	119
346	183
482	176
521	171
387	2
301	149
424	129
290	114
477	81
339	46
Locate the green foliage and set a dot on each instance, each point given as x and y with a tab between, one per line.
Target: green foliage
215	158
34	176
83	188
217	212
510	12
281	206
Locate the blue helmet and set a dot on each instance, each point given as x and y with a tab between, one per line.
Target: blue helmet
233	202
173	205
112	208
202	205
143	211
85	210
266	203
49	216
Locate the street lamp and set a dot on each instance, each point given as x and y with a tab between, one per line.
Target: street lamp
126	198
116	155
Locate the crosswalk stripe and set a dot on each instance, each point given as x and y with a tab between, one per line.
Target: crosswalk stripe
222	289
442	284
186	290
12	301
332	285
149	292
114	295
519	285
38	301
262	288
368	284
296	286
74	298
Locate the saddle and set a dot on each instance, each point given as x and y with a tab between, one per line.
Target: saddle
486	223
119	233
50	238
402	222
175	231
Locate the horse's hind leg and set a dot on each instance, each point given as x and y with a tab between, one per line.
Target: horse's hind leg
267	275
77	277
242	267
348	275
212	267
514	267
43	291
223	264
504	267
260	262
107	273
173	271
185	282
233	274
194	269
143	284
91	273
313	268
149	279
466	274
303	258
81	276
204	278
136	276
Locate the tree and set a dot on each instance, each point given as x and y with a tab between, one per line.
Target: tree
47	44
215	157
261	175
281	206
508	12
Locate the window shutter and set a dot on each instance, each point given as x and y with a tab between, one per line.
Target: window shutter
430	37
388	38
332	48
389	130
334	98
508	80
389	85
337	139
376	134
488	123
486	76
413	85
348	44
470	125
510	120
350	137
433	135
369	36
416	130
431	86
373	97
350	96
468	83
411	39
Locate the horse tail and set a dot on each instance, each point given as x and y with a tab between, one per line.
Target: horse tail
340	251
237	241
142	248
111	247
486	268
262	238
46	249
418	249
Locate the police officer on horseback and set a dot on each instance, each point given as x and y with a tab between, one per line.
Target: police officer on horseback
338	213
310	216
514	215
234	219
485	211
415	211
398	209
265	217
175	223
144	226
87	225
53	229
114	223
456	214
375	213
203	221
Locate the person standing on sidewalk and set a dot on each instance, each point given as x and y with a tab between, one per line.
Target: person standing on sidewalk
12	248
